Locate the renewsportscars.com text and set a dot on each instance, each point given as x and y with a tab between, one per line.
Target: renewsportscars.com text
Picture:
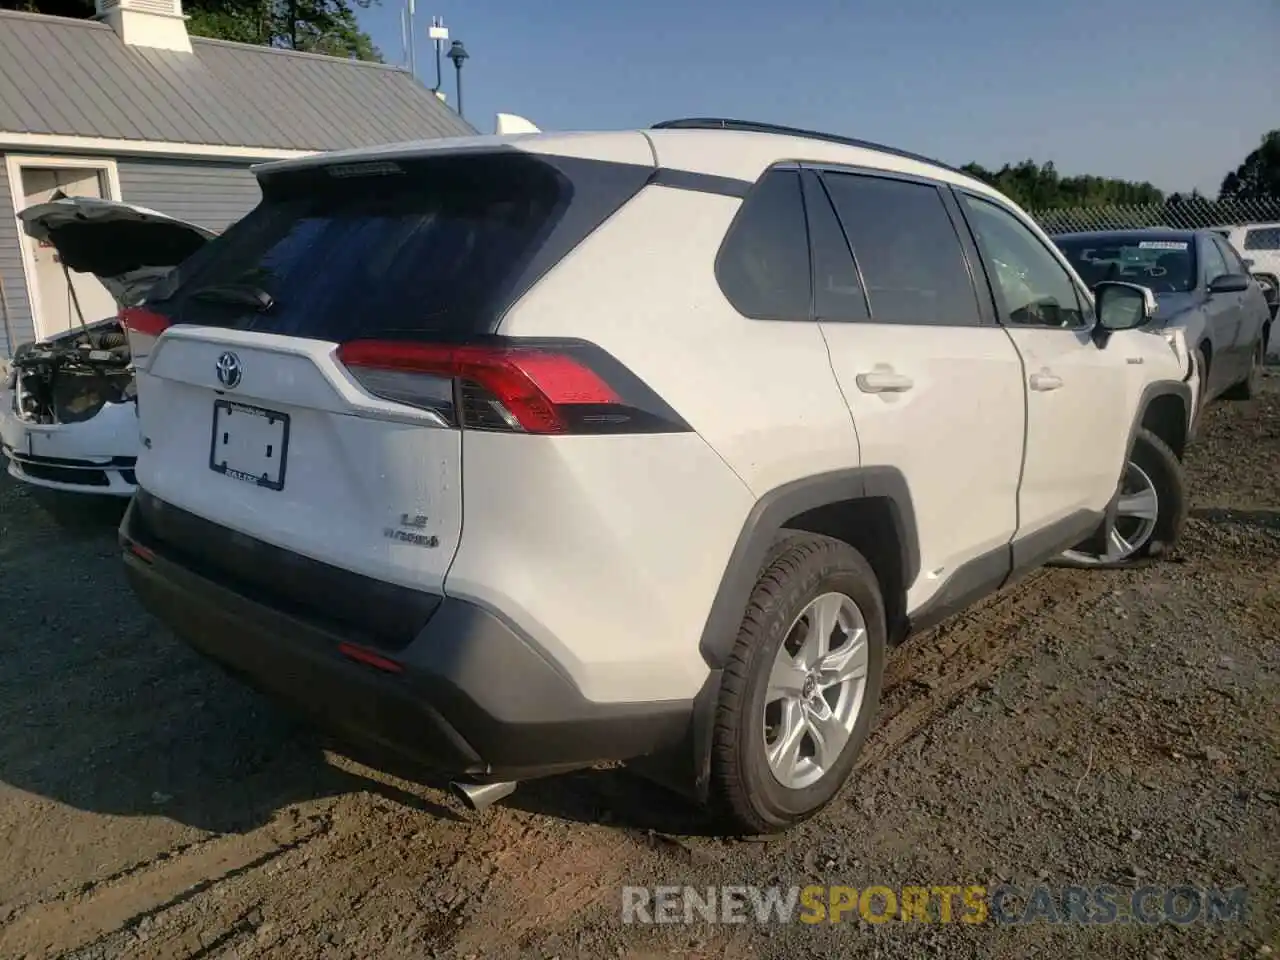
973	904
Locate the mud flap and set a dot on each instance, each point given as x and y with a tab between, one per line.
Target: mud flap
1096	544
685	768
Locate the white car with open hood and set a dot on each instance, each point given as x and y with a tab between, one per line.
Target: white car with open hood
68	406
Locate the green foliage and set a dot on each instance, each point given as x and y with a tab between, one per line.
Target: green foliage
1258	178
1039	187
79	9
315	26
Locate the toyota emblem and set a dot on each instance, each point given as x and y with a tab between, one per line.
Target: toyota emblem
229	370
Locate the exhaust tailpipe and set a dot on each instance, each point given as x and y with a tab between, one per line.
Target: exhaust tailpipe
480	796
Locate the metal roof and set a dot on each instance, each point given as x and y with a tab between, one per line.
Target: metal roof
68	77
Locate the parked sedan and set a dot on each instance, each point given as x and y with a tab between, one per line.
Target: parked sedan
1201	285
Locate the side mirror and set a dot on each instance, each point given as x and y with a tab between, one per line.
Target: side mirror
1248	264
1230	283
1121	306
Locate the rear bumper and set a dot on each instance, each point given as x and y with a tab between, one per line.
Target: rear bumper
468	695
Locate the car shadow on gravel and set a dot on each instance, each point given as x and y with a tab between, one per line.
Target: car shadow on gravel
104	711
621	799
78	516
612	796
179	741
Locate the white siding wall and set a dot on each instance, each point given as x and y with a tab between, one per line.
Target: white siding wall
11	279
212	195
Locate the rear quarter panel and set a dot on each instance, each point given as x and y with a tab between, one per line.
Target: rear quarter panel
643	287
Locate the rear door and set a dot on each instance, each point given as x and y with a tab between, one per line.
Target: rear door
276	404
934	386
1223	314
1253	307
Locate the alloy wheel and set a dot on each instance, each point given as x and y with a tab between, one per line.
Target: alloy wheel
816	690
1137	512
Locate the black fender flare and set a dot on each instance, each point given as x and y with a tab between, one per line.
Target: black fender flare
688	768
1150	393
769	516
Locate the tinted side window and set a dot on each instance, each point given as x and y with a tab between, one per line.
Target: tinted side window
837	289
763	265
1234	262
906	248
1035	288
1215	264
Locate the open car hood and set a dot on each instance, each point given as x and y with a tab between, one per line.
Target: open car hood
127	247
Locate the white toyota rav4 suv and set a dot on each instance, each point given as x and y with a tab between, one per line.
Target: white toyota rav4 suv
518	454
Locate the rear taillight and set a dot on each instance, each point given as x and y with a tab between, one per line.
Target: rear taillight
513	386
142	320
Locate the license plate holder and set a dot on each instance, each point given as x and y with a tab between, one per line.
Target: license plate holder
249	444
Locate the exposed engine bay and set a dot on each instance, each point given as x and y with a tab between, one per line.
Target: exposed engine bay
68	402
70	378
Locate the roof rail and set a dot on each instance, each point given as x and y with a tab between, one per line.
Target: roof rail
753	126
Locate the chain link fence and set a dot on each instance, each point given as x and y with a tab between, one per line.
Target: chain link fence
1180	215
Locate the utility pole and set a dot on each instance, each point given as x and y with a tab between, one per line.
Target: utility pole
413	64
404	37
438	33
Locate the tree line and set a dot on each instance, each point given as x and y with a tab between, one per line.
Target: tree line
313	26
1038	186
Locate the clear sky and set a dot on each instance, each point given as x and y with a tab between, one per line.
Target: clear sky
1172	91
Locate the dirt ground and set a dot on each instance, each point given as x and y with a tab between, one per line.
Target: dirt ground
1077	729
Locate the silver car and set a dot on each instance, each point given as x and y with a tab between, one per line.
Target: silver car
1201	285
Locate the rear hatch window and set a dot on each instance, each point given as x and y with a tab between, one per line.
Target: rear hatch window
426	249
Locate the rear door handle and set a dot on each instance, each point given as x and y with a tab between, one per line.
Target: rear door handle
1044	380
884	381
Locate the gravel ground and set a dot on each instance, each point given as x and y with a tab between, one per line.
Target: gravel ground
1077	729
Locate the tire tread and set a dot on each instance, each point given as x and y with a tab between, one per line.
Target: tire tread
1169	528
785	563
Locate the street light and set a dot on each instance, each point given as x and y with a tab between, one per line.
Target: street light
457	53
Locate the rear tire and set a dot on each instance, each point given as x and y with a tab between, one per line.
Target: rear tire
1251	385
815	688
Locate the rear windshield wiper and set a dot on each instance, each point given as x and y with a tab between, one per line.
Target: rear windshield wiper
239	294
